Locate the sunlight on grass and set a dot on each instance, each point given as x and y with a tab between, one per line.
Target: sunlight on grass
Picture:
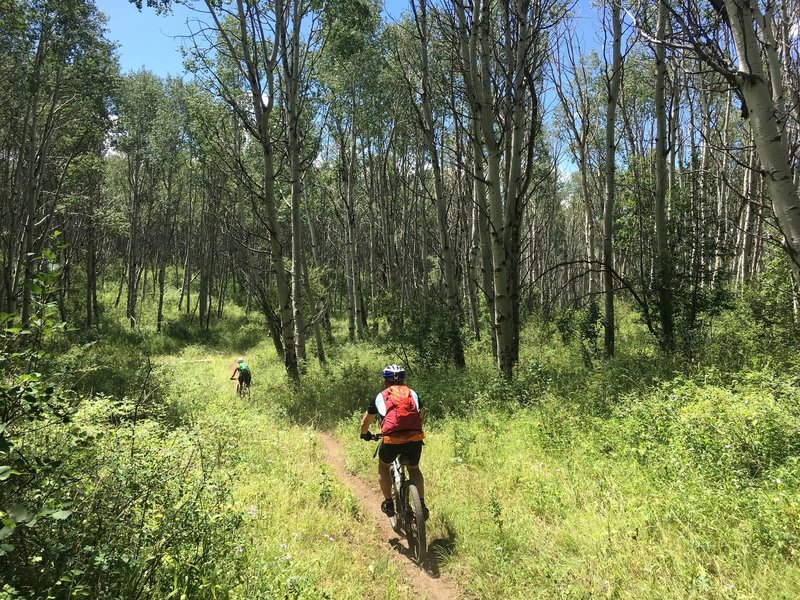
305	535
571	481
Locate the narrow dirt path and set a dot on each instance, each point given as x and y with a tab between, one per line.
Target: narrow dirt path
425	583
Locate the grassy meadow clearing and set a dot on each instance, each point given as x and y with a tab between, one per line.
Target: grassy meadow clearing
639	477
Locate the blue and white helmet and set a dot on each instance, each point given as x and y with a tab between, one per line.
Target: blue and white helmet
395	372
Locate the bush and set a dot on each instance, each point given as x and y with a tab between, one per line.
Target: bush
332	394
776	508
737	434
103	497
728	433
427	335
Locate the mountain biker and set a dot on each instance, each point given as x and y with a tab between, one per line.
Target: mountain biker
244	373
400	412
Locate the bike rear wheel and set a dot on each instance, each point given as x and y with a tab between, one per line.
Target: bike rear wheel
415	534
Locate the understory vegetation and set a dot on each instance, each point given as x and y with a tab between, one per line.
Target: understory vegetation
130	469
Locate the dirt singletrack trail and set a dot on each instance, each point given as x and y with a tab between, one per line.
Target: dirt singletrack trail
424	584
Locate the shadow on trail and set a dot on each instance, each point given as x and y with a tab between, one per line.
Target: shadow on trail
436	549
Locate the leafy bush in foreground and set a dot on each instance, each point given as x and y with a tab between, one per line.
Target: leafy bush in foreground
102	497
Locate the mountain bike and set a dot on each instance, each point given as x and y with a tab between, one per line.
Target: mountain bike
408	519
242	388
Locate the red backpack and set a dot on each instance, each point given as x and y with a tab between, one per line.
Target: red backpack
402	412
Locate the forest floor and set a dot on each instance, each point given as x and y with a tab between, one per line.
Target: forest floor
424	579
541	499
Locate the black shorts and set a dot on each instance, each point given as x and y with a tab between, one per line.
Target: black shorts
244	378
413	450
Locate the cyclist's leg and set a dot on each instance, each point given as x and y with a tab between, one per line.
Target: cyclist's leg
386	454
413	450
416	477
384	478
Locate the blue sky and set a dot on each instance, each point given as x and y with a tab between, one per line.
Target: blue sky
144	38
150	40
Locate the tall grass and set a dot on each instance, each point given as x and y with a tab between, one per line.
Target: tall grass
639	477
643	476
305	535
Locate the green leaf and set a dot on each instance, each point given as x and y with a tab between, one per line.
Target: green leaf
6	533
19	512
5	472
60	515
5	549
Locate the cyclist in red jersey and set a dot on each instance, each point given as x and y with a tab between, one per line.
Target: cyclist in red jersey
400	412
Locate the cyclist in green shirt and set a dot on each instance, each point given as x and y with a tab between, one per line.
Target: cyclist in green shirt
244	374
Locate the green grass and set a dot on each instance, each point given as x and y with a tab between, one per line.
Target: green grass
614	480
576	482
522	520
305	534
533	496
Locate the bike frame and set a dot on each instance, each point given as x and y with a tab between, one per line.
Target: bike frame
240	388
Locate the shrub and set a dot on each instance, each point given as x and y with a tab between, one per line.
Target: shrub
729	433
427	333
332	394
737	434
102	497
775	508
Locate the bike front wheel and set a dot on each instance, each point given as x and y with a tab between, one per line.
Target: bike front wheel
397	499
415	534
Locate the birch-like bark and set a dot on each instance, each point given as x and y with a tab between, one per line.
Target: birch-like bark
429	136
260	75
663	256
290	54
608	210
506	138
575	103
766	122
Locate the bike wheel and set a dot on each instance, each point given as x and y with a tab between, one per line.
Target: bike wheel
415	533
398	506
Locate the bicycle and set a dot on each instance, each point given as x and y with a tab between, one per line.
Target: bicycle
242	388
408	519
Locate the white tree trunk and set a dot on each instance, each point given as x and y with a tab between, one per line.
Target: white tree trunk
766	122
